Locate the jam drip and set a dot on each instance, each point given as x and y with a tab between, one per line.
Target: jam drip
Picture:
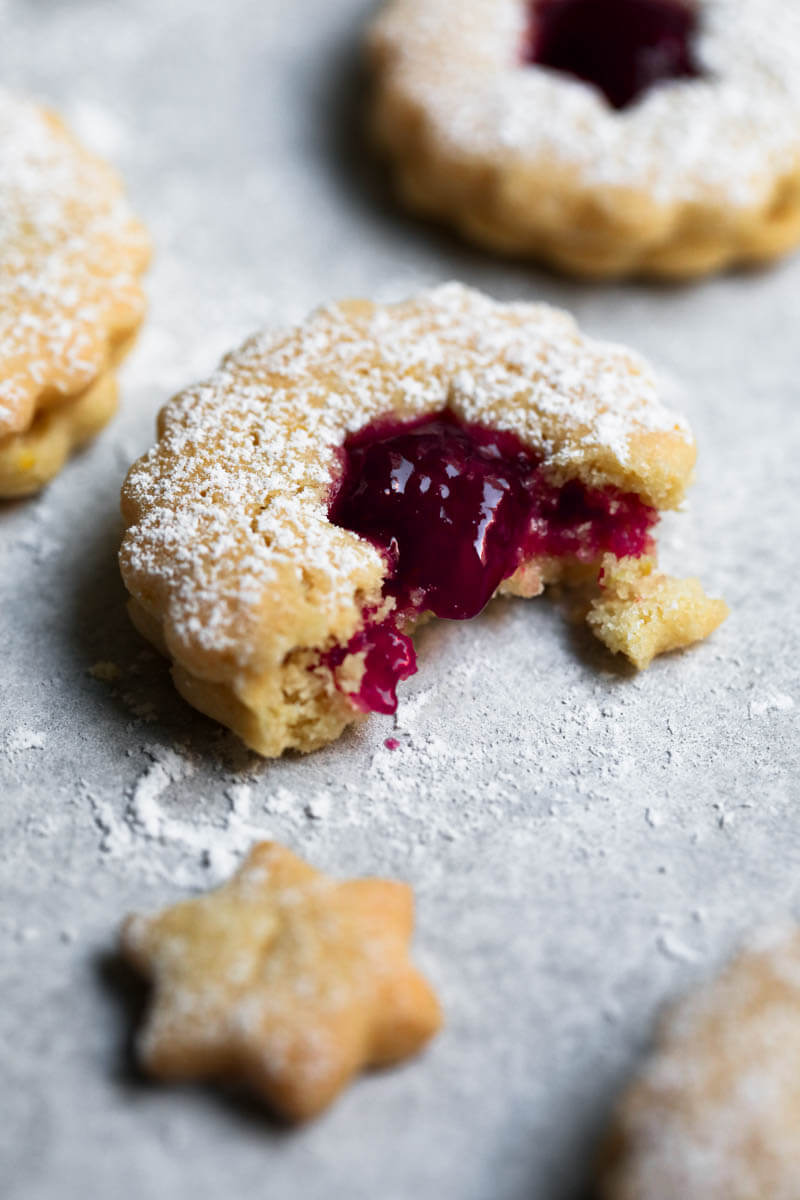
623	47
389	658
455	509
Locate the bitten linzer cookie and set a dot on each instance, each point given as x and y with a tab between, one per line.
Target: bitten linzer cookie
331	486
715	1113
283	979
71	256
607	137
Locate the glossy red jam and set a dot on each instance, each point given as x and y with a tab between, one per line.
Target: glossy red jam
389	658
623	47
455	509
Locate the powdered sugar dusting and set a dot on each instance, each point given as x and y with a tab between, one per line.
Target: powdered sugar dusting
70	256
724	137
206	850
22	739
232	502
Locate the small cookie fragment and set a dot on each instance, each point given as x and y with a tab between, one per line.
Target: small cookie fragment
642	613
715	1113
105	671
283	979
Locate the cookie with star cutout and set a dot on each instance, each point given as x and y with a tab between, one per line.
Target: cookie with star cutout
283	979
604	137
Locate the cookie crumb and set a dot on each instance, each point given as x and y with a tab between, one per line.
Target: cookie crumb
105	670
641	613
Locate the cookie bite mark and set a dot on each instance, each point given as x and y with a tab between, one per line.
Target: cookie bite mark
456	509
290	528
622	47
283	979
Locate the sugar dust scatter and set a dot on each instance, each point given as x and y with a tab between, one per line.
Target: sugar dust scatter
164	827
769	703
319	807
194	850
22	739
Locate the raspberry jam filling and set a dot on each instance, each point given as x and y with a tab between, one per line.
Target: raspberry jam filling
455	509
623	47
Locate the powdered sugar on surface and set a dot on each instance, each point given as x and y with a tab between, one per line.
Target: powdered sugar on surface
725	137
193	852
236	491
22	739
516	804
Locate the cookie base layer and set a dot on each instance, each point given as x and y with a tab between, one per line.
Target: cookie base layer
305	705
72	256
300	706
698	175
541	212
31	459
232	553
294	708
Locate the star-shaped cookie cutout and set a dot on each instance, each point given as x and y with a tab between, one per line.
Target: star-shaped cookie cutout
283	978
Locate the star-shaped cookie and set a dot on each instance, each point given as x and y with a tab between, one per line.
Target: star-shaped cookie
283	978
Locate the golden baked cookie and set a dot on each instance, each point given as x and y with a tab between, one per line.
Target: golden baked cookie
605	137
641	613
715	1112
331	486
71	256
283	979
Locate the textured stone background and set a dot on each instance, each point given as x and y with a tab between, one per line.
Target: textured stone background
583	842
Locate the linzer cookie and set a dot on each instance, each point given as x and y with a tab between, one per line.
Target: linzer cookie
283	979
606	137
715	1110
71	256
331	486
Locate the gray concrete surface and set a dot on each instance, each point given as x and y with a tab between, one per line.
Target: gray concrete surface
583	843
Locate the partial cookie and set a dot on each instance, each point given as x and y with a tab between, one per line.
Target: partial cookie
29	460
71	257
606	137
716	1110
641	613
331	486
283	979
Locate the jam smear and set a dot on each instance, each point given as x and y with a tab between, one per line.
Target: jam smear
455	509
389	658
623	47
